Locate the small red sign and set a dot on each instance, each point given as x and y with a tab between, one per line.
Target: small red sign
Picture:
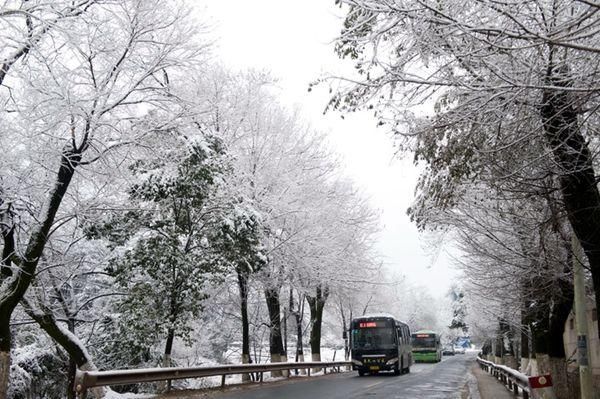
423	335
367	324
540	381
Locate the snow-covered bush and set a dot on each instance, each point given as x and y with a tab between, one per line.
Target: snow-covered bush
38	371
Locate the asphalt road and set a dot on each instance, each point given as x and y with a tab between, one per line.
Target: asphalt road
448	379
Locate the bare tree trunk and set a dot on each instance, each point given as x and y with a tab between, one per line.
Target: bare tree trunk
67	340
298	316
499	344
526	353
275	338
548	340
577	177
507	341
286	313
4	372
166	385
242	275
72	365
316	305
344	331
525	343
17	283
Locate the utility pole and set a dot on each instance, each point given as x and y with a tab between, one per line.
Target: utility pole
583	351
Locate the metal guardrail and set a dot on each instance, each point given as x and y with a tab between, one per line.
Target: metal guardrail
89	379
512	379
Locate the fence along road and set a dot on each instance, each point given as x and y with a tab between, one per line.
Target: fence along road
90	379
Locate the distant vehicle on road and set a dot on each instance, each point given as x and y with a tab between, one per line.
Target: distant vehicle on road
380	343
448	351
459	350
426	346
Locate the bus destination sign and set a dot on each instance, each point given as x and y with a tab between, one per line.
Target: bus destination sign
367	324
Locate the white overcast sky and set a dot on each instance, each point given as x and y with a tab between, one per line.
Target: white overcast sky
293	39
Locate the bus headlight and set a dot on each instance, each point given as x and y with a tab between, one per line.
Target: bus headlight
391	361
357	362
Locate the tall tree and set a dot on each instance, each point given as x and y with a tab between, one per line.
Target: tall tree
459	311
181	222
537	72
78	99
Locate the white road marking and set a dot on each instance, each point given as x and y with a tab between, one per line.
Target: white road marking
372	385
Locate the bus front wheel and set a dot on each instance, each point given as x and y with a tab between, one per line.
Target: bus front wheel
361	373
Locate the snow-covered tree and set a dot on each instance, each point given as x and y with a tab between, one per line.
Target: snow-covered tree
459	310
512	128
495	91
77	79
315	224
181	234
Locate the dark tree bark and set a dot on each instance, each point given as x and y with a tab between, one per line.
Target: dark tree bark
577	178
525	330
166	386
551	314
65	338
316	305
344	331
19	281
298	314
499	347
242	276
275	336
8	237
286	313
72	364
169	347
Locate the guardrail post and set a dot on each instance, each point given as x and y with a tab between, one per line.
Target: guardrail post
516	389
308	371
80	385
223	380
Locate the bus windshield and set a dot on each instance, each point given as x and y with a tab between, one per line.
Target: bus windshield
374	338
424	342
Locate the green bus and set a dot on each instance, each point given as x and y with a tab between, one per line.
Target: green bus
426	346
380	343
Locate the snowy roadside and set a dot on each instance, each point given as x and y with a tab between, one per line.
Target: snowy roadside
233	381
483	386
471	389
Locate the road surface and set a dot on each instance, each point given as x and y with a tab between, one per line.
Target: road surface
449	379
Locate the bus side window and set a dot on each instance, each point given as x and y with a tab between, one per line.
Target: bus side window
403	335
400	335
